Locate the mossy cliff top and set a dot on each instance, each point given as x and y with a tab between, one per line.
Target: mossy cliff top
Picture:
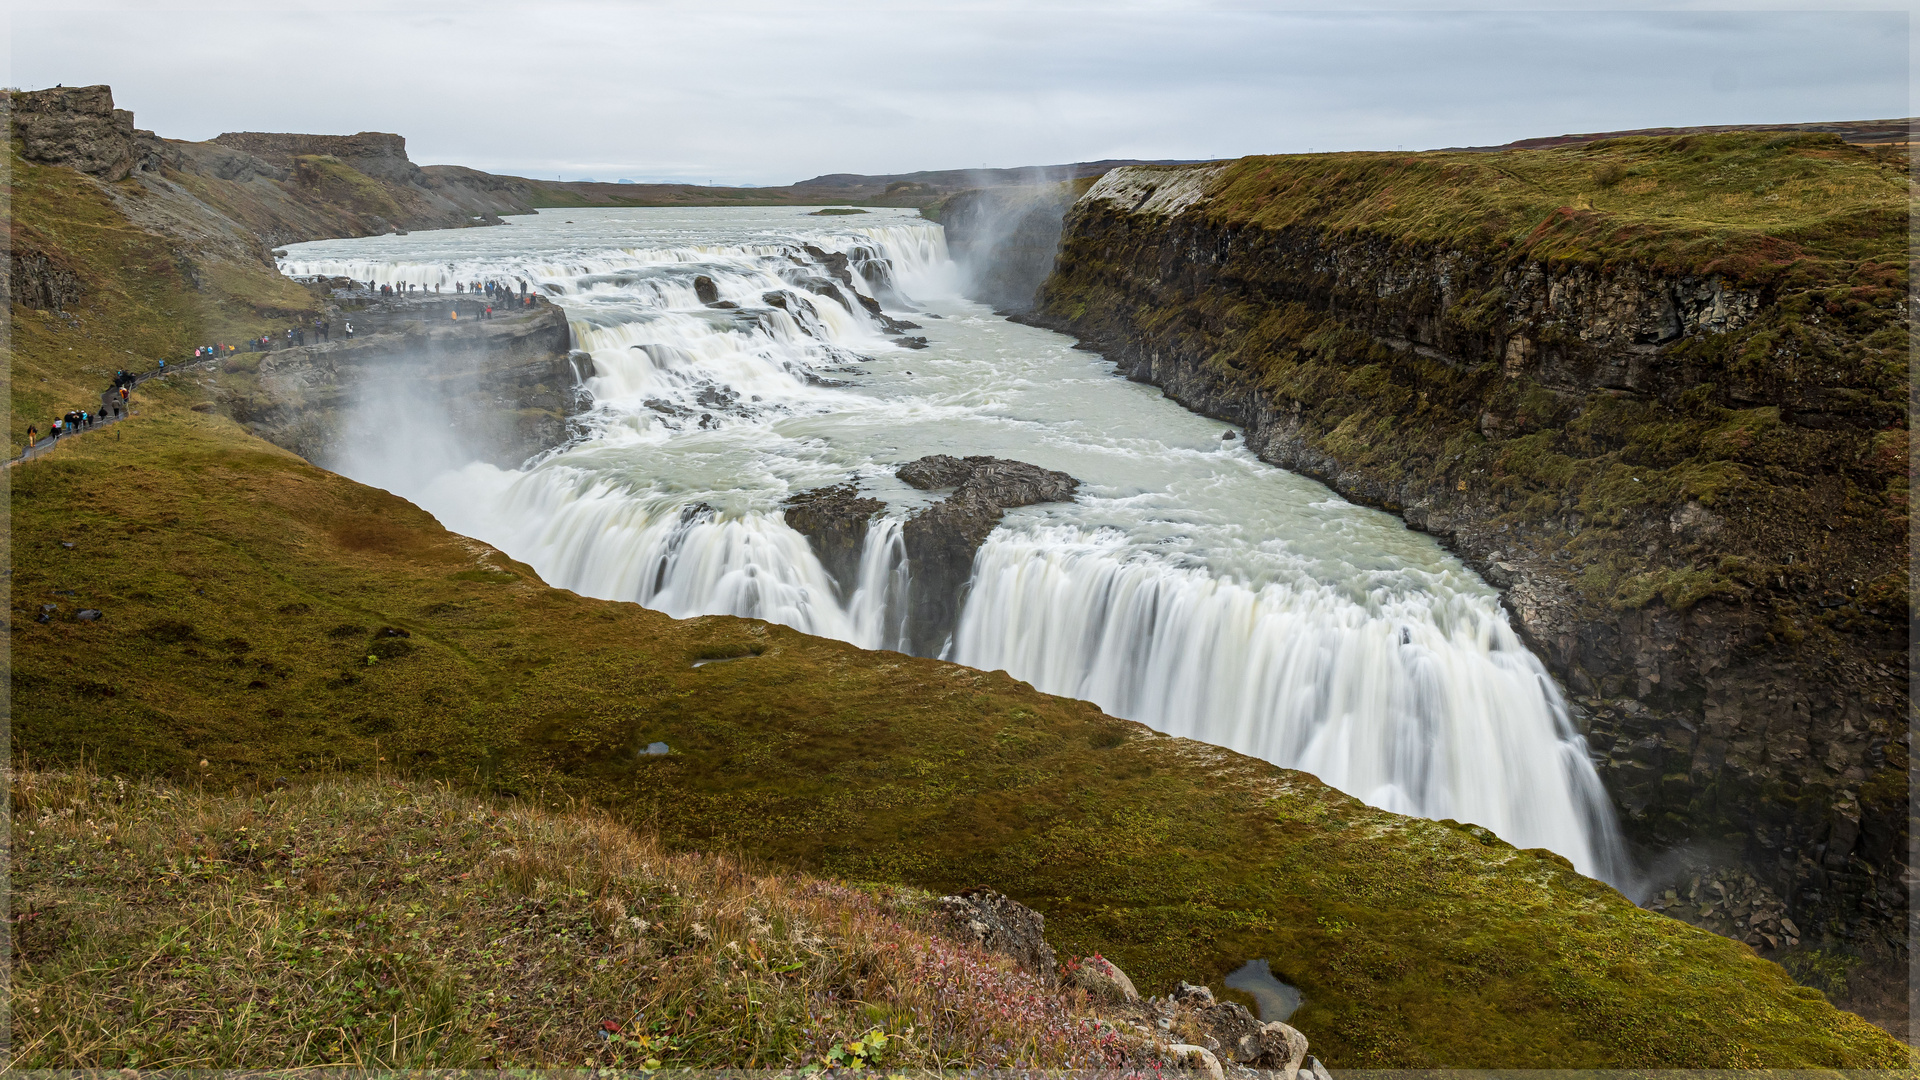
1757	207
271	619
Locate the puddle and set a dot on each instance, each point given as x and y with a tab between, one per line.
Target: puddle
723	659
1273	999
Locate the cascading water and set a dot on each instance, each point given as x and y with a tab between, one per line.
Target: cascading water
1190	586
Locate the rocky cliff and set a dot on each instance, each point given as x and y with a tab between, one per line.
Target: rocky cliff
1654	389
503	387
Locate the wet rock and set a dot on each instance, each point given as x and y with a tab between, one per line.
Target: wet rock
834	520
911	342
724	305
1102	979
941	540
999	924
1227	436
705	289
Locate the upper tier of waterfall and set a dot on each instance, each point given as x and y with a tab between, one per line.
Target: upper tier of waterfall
738	360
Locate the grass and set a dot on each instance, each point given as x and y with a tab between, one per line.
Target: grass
378	923
267	619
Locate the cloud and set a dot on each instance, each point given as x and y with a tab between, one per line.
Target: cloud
772	94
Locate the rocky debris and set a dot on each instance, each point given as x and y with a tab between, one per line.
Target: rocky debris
1184	1053
1102	979
705	289
941	540
834	520
1730	903
89	614
1237	1044
45	615
997	923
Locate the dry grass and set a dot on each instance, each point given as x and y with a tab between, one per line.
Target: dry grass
373	922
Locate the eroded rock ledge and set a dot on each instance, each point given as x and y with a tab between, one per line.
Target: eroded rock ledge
940	540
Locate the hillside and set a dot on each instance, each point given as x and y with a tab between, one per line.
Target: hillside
1655	388
380	923
262	619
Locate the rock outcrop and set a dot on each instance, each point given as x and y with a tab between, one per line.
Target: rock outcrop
834	520
941	540
1687	476
503	387
998	923
78	127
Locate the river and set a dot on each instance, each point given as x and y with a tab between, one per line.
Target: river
1190	586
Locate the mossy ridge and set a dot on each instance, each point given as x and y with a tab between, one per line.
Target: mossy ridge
1753	206
244	588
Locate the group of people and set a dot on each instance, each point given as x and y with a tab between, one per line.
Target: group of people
113	406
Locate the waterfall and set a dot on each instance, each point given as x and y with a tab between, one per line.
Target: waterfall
1416	703
1190	587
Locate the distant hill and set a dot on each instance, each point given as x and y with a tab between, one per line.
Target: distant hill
1892	133
891	189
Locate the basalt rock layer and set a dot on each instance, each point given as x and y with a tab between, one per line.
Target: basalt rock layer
1654	389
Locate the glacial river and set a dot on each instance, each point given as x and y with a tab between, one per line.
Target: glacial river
1190	586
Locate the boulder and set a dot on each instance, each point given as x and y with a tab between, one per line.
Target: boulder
1102	979
1000	924
705	289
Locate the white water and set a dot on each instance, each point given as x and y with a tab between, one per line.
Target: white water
1190	586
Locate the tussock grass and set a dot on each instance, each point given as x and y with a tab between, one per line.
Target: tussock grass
380	923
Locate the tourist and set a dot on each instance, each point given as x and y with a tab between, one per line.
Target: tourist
33	436
53	430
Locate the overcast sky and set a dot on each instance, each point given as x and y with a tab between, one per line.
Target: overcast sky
773	93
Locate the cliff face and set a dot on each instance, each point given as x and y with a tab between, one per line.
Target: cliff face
282	188
503	387
1004	239
1677	443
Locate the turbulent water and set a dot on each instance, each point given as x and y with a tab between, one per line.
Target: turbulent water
1190	586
